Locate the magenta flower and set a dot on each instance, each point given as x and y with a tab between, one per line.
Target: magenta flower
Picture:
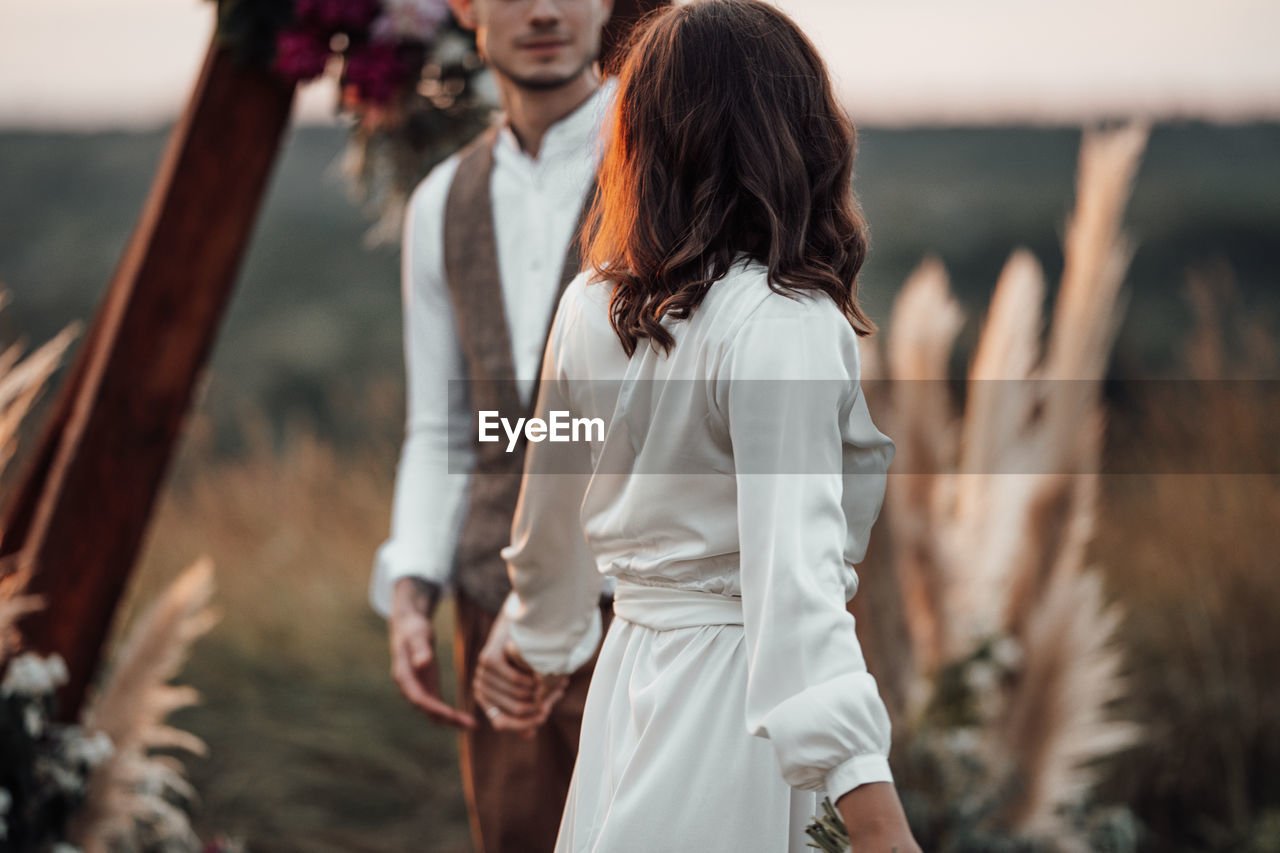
410	20
377	71
331	16
300	56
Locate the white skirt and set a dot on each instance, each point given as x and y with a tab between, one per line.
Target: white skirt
665	764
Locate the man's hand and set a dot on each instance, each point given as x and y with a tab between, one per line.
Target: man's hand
413	657
512	694
875	821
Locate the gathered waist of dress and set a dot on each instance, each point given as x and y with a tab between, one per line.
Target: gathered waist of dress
664	608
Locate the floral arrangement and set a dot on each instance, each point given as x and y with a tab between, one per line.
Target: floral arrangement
996	650
46	765
412	87
828	832
382	42
94	785
959	790
946	772
1004	693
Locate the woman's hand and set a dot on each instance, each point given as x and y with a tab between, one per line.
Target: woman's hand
510	693
875	821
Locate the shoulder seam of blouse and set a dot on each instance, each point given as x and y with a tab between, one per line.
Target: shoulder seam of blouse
746	318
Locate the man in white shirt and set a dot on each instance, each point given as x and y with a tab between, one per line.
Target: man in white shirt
487	250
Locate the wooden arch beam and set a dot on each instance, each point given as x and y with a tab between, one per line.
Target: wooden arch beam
78	516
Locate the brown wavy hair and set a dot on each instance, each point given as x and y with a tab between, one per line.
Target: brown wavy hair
726	139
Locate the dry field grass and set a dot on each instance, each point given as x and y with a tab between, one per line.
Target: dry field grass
311	747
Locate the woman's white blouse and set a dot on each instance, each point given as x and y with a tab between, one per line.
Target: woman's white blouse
745	463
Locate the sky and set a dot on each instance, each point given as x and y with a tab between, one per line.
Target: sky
92	64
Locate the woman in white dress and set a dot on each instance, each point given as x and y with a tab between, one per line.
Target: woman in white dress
738	475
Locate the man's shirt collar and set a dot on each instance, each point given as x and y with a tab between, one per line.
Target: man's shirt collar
570	135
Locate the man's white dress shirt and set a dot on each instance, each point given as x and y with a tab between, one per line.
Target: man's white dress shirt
536	202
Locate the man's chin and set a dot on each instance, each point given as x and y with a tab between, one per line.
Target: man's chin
540	79
543	81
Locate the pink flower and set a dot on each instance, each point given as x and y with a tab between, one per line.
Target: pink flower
300	56
412	20
333	16
377	71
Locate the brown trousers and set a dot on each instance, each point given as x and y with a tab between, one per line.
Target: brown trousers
515	788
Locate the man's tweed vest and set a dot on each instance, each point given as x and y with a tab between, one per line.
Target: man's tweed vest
475	289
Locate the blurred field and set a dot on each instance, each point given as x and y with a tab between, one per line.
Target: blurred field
285	476
316	316
311	746
1194	557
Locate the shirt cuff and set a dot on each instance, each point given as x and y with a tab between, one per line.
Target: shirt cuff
387	570
544	656
859	770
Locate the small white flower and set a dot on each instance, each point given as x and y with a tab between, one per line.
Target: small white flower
450	49
963	741
152	785
57	670
29	674
1007	653
33	720
981	677
92	749
53	772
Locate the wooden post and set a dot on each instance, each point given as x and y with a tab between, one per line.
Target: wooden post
79	514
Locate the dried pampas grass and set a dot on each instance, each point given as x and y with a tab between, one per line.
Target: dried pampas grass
13	606
991	510
21	382
925	321
1056	724
130	788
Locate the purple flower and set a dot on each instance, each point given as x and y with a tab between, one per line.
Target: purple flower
300	56
412	20
331	16
377	71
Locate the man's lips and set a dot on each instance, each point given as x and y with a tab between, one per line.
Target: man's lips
543	44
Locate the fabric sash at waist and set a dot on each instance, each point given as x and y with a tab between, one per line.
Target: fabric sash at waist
664	608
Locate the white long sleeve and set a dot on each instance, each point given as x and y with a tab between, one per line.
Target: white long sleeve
810	483
554	600
429	500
